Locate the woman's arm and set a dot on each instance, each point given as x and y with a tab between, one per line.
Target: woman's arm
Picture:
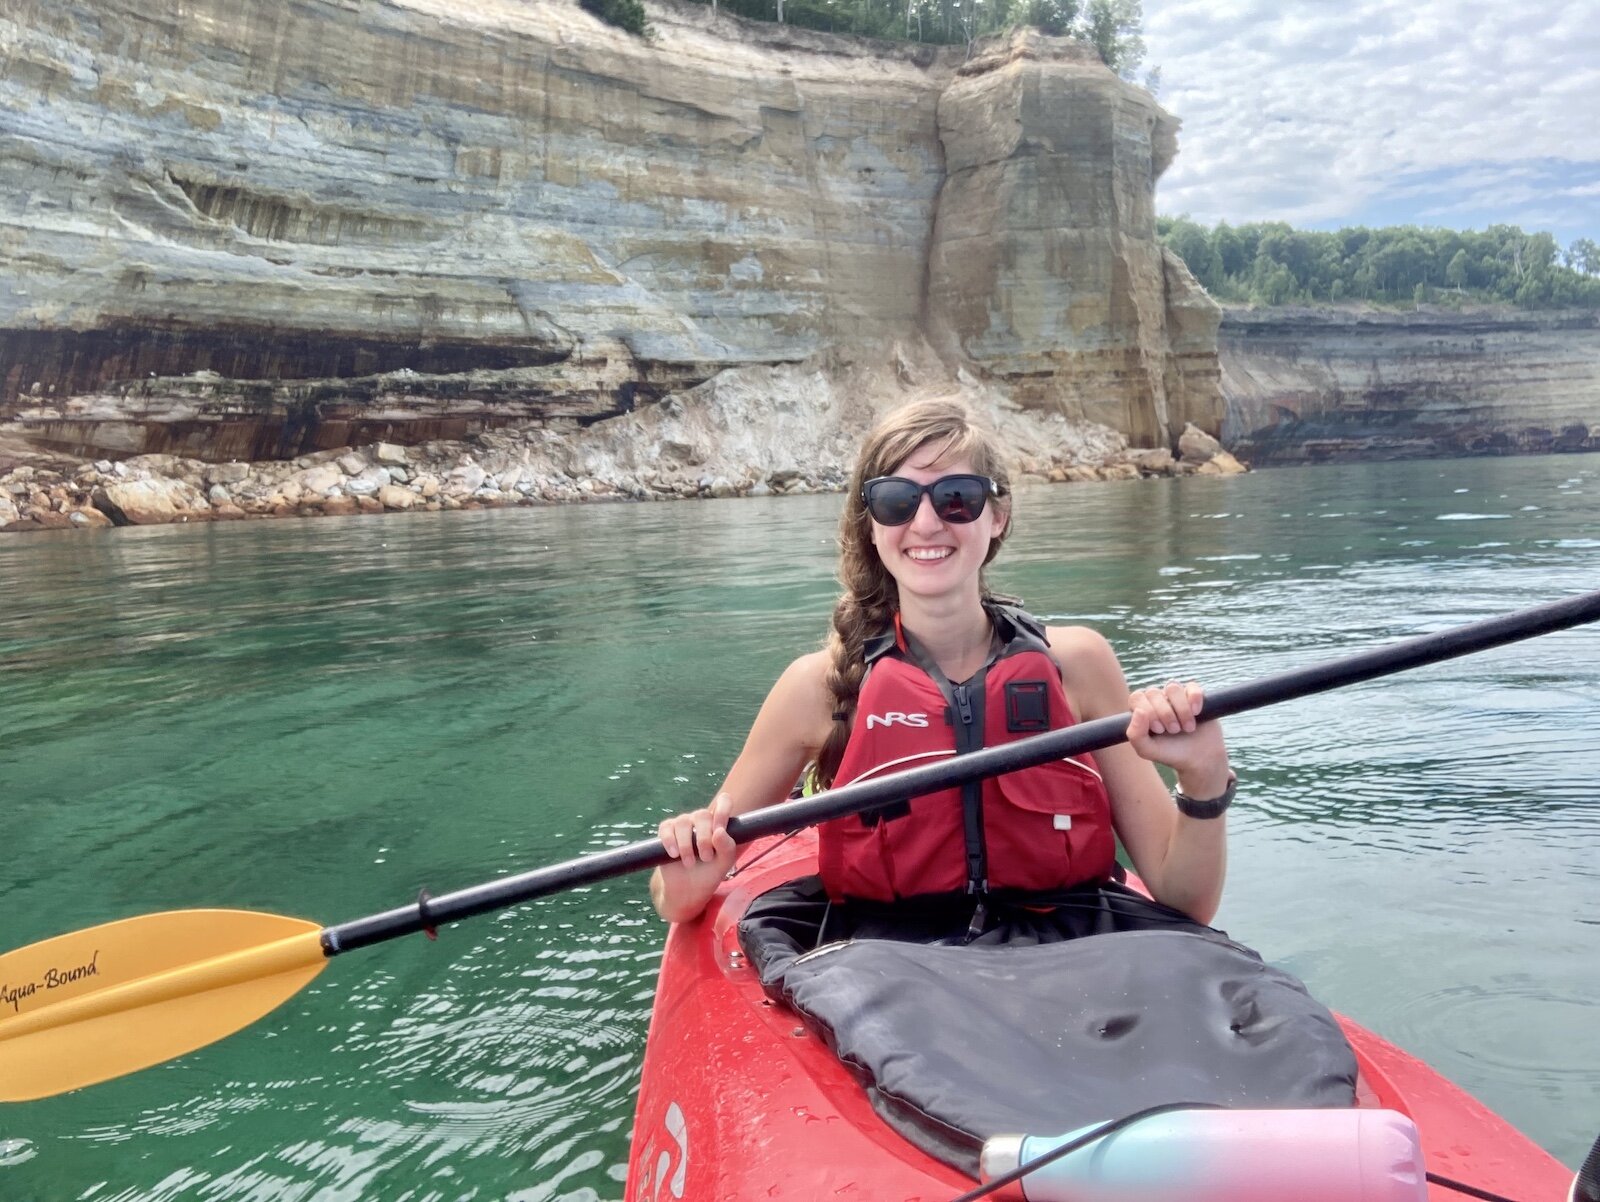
1181	860
791	727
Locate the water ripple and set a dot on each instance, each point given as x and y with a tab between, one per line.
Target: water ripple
320	718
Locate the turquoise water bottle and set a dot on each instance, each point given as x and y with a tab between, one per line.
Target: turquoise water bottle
1224	1156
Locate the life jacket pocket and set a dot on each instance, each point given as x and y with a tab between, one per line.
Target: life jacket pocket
1050	829
1063	787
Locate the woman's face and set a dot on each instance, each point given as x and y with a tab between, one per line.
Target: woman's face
929	556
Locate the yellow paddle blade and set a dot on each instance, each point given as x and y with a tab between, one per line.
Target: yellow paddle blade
99	1003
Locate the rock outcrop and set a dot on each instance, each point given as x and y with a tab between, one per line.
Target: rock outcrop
1320	385
749	431
243	230
1044	267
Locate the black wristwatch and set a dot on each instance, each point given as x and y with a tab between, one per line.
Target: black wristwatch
1214	807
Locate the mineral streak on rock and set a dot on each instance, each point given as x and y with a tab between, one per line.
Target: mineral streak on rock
1323	385
432	218
67	362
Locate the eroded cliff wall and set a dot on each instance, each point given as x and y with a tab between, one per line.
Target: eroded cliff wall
1044	265
1318	385
242	228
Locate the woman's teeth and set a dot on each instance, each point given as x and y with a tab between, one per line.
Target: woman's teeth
928	554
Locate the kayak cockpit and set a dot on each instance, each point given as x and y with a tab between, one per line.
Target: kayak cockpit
955	1043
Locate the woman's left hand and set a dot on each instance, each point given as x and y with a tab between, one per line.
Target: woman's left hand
1165	728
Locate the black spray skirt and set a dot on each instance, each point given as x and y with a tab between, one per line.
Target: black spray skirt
1063	1010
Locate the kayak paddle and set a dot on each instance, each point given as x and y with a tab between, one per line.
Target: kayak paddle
99	1003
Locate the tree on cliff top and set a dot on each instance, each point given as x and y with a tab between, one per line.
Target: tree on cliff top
1272	263
625	14
1583	256
1111	26
1054	17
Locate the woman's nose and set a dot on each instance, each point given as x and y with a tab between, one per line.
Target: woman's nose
926	517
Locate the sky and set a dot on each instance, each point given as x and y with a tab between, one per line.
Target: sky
1325	113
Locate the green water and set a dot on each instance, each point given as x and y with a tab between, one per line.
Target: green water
316	718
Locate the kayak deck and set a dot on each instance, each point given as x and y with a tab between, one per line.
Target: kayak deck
739	1101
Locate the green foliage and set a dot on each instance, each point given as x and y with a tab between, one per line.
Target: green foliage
1055	17
1116	36
625	14
1271	263
1112	28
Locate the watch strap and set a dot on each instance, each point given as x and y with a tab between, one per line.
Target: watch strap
1213	807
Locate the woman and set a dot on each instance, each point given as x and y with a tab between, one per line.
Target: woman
924	661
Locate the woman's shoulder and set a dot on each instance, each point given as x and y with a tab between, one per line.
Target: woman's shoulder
805	681
1090	670
1080	644
813	665
799	706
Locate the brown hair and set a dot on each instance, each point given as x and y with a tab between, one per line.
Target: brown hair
871	596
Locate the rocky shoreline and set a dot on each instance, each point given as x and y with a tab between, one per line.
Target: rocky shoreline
748	432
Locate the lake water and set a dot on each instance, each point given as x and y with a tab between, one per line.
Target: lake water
317	718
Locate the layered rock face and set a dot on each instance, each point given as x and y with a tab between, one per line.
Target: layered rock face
1044	264
1307	386
239	229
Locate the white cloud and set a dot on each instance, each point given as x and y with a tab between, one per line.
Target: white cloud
1317	111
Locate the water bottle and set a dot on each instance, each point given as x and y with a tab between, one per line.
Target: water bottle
1586	1185
1224	1156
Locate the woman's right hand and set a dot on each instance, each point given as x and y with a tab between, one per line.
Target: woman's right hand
703	854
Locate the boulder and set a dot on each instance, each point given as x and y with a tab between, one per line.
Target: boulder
150	502
392	496
169	467
1156	461
227	473
367	483
464	480
320	479
1195	445
352	464
1221	464
389	453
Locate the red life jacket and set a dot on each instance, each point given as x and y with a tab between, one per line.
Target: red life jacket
1047	827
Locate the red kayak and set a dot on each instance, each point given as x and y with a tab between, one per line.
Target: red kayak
740	1102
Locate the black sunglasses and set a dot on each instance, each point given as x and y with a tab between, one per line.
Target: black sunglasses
893	500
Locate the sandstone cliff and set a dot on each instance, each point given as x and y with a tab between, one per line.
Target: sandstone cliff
1313	385
242	229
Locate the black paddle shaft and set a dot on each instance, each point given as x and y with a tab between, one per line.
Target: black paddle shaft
958	770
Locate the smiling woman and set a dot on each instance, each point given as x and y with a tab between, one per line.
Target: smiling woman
917	633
